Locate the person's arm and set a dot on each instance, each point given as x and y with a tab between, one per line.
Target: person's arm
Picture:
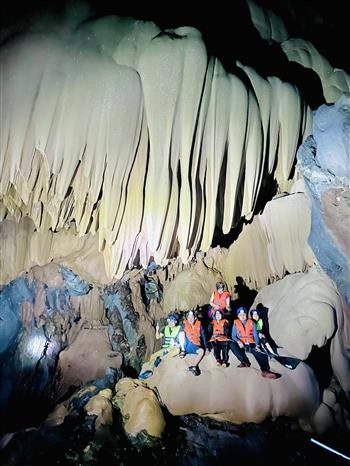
262	329
255	335
228	303
204	338
158	333
210	330
177	338
235	336
226	328
211	302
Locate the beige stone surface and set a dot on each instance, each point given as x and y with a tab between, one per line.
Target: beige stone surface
57	416
190	288
101	406
234	394
25	249
48	274
335	205
306	310
182	162
139	407
87	358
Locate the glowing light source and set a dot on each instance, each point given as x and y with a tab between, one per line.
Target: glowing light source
36	345
329	449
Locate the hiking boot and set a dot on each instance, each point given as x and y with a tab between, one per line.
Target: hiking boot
218	363
145	375
182	354
244	364
270	375
157	361
195	370
224	364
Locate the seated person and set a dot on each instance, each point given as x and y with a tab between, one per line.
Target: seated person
219	300
245	340
218	331
258	322
169	348
193	341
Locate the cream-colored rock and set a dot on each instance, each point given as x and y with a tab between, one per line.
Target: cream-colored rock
49	274
139	407
190	288
324	418
303	311
86	359
335	81
306	310
90	308
57	416
101	406
274	242
43	250
191	139
86	390
234	394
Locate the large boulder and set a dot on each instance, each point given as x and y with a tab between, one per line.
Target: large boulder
234	394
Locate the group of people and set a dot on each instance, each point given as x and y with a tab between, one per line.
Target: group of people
243	335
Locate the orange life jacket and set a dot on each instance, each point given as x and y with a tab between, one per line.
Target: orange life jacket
193	332
218	330
245	333
220	299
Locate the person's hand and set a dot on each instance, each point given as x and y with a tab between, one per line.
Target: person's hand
240	344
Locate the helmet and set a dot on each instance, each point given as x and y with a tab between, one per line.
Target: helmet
172	316
254	310
241	309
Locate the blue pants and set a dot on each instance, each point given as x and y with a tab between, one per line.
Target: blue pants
240	354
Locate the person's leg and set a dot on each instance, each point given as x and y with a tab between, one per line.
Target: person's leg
182	340
216	348
239	353
169	352
267	345
149	366
262	359
182	343
199	356
154	357
224	350
196	354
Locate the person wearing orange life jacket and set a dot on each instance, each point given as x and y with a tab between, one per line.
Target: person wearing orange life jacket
193	341
245	339
218	330
219	300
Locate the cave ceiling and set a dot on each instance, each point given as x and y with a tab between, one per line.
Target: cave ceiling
135	131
